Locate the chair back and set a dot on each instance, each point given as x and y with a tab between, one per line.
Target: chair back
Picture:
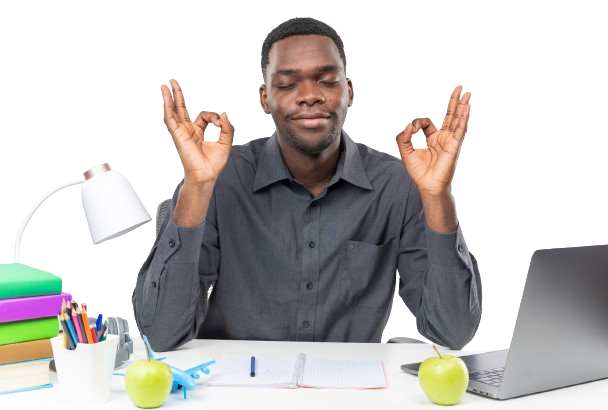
161	213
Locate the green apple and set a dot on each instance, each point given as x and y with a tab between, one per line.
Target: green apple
444	379
148	382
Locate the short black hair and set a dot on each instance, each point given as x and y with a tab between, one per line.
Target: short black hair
299	26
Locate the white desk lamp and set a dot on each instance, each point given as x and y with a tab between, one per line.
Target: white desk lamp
110	203
112	208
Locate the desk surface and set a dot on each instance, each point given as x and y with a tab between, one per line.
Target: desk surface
403	392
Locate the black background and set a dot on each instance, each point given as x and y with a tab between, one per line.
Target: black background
75	99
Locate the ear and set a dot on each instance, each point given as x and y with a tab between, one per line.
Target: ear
264	99
351	92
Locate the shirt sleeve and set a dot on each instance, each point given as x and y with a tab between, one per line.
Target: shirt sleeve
439	279
170	296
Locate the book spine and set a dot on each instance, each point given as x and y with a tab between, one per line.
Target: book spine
18	281
24	351
16	309
32	289
26	330
24	375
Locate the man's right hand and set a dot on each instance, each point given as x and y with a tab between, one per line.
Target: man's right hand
203	161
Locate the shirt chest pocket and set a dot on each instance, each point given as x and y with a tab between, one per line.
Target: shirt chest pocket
368	274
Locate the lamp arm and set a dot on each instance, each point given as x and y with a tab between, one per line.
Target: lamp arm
35	207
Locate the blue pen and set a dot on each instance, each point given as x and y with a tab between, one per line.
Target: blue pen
98	323
252	373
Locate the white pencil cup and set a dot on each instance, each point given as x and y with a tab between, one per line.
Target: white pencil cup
85	374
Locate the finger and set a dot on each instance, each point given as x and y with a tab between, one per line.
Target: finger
404	142
426	124
205	118
463	124
463	102
169	110
227	131
180	103
452	105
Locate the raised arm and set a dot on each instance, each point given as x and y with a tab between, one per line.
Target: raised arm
170	296
203	161
432	169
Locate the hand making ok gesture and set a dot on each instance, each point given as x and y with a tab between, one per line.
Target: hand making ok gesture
432	169
203	161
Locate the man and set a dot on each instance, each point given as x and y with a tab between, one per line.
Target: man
299	235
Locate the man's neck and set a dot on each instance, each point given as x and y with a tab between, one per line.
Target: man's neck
313	171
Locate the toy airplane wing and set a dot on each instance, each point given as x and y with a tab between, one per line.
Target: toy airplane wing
184	379
193	372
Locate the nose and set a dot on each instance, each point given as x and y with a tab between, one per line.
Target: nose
309	94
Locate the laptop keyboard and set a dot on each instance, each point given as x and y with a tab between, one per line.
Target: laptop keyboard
492	377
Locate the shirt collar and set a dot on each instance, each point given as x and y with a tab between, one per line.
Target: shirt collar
271	168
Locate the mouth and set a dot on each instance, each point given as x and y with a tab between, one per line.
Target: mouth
311	120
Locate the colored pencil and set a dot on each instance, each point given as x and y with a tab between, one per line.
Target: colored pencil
67	341
70	326
83	328
76	324
93	334
104	332
85	322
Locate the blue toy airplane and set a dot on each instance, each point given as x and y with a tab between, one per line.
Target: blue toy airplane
182	379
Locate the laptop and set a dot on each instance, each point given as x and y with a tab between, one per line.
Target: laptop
561	334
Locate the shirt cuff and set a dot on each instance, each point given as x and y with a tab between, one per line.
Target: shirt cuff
447	250
181	244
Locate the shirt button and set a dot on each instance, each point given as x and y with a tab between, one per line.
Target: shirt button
171	243
154	284
311	244
306	323
459	248
309	285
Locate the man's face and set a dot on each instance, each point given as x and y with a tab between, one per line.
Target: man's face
306	92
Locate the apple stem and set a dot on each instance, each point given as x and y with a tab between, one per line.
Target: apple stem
439	354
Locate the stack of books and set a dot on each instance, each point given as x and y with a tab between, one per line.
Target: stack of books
30	300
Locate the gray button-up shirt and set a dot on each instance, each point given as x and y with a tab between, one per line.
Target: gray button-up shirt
284	265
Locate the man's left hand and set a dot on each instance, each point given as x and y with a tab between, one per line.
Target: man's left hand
432	168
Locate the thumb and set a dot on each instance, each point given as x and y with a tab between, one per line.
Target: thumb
227	131
404	142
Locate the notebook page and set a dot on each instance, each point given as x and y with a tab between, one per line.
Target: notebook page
343	374
270	371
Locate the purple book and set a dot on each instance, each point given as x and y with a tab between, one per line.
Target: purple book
12	310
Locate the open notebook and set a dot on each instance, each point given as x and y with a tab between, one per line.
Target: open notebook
299	370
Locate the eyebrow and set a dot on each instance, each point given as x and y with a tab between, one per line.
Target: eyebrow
321	69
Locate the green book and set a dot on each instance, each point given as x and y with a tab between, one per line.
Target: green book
26	330
18	281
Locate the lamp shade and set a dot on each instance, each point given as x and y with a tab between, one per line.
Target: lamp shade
110	204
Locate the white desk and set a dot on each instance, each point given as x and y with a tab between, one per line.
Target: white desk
403	392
